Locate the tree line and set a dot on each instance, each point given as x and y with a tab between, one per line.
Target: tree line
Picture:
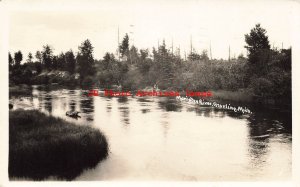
264	72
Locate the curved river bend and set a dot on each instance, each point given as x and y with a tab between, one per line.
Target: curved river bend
159	138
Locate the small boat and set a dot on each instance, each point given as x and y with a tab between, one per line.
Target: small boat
73	114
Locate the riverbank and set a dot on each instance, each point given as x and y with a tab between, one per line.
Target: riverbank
243	95
235	96
21	89
42	146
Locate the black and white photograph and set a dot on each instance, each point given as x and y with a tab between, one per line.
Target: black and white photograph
192	91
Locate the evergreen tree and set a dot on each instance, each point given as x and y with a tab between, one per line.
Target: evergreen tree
144	53
18	58
38	56
47	56
257	42
164	65
30	57
194	56
10	60
258	51
54	62
124	47
85	60
70	61
61	61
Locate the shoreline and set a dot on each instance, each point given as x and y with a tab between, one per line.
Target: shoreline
244	96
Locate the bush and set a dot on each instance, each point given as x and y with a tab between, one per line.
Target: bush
132	80
262	87
87	82
41	79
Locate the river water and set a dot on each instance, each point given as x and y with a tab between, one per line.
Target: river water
159	138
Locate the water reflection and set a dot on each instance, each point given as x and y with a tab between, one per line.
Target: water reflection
145	110
124	110
259	140
73	100
169	104
144	104
87	107
218	113
48	103
170	140
122	99
203	111
72	105
144	100
165	123
108	108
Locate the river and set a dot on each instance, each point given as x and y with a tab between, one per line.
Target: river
159	138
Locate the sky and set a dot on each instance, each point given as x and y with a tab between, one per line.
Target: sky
65	24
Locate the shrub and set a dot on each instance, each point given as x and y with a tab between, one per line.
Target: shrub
87	82
262	87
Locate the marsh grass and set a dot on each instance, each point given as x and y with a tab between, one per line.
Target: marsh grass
20	90
235	96
42	146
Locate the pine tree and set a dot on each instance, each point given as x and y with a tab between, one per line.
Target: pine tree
47	56
18	58
85	60
124	47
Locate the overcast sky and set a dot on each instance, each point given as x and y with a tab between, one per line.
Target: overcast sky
65	24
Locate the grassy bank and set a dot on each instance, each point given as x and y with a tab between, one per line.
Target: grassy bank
235	96
22	89
41	146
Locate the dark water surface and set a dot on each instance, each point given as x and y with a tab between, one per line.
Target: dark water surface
159	138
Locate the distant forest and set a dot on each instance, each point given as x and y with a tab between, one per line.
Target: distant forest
264	72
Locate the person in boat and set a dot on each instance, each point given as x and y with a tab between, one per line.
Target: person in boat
73	114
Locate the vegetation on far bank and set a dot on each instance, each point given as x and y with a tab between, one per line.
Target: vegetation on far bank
237	96
41	146
265	73
21	89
